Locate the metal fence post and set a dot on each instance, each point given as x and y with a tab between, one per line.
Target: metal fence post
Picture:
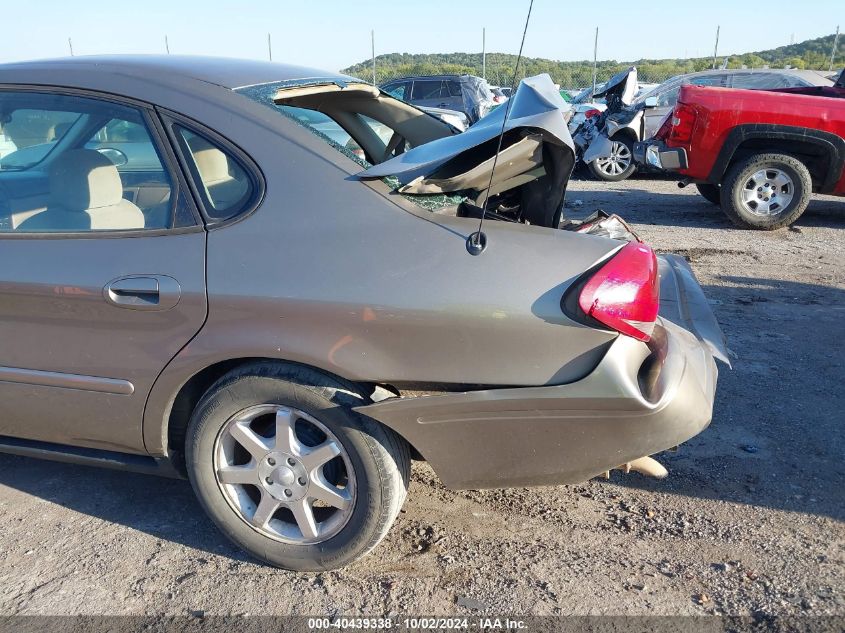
484	53
595	58
716	47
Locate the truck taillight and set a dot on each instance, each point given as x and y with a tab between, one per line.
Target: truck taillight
665	127
624	294
683	122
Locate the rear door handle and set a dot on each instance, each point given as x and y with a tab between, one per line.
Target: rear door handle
143	292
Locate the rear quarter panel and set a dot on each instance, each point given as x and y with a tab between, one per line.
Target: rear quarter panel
331	273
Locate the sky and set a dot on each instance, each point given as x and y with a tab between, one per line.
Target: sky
333	34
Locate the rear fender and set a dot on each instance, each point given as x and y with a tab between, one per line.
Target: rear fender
625	409
682	301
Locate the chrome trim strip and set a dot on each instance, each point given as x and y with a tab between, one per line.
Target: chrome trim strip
66	381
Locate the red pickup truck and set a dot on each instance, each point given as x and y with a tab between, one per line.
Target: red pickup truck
759	154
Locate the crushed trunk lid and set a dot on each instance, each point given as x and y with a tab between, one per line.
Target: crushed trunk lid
534	164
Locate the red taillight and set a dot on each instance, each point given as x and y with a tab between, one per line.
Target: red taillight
665	127
683	122
624	294
589	114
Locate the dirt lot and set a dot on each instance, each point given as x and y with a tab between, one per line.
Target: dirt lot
749	521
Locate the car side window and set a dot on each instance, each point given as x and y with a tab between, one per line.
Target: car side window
79	164
718	80
430	89
454	88
223	183
669	96
399	90
760	81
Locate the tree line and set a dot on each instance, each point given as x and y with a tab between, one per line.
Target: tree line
810	54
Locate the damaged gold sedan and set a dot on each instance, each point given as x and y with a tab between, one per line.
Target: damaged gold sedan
256	276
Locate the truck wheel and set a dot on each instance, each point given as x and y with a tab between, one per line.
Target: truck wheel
619	165
711	193
766	191
289	472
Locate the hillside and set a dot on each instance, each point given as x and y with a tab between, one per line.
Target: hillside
812	54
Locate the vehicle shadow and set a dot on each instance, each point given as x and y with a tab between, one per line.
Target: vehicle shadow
643	206
164	508
776	436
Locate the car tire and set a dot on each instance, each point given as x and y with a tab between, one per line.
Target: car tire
610	170
711	193
747	189
369	474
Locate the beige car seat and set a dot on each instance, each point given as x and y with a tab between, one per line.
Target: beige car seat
213	165
86	193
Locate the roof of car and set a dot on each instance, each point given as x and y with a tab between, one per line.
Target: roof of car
814	77
408	77
221	71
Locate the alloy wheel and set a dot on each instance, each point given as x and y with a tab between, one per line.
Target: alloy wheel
767	192
285	474
618	161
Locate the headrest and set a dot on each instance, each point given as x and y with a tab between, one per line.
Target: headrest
211	162
82	179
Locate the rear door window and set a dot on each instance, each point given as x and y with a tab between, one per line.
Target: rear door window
400	90
761	81
80	164
223	183
430	89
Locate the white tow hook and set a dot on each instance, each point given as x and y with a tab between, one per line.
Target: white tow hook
645	466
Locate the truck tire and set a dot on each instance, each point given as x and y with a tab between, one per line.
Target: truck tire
288	470
766	191
711	193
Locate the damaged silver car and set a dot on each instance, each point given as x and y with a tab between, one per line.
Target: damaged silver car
285	285
605	141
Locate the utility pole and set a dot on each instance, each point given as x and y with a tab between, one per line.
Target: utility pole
269	47
716	47
70	46
833	50
595	58
373	44
166	45
484	54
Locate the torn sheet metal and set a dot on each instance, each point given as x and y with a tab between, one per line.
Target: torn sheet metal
599	147
683	302
533	168
593	136
622	85
536	104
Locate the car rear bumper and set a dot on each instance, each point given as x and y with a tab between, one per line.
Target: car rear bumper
639	400
655	154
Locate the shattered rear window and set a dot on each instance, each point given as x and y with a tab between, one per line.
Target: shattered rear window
333	134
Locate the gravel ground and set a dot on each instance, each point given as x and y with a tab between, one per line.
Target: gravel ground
749	521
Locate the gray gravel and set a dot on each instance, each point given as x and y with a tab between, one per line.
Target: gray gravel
749	521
